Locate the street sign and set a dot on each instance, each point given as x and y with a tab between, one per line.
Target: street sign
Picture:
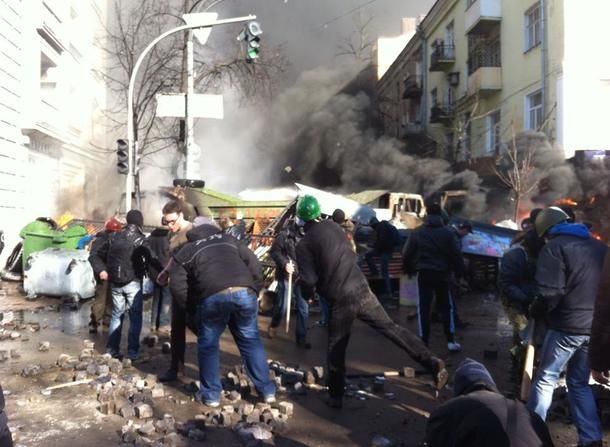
200	106
195	18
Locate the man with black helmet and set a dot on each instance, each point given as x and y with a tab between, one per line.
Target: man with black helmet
567	276
328	264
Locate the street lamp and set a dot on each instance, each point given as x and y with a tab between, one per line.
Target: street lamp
133	144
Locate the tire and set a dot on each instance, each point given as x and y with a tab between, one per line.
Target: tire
189	183
13	262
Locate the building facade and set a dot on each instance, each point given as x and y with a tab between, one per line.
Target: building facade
492	68
52	137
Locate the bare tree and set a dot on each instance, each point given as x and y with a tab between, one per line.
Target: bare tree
518	169
359	44
131	26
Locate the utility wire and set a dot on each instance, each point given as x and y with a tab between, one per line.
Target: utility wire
335	19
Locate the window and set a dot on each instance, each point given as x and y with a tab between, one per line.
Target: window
532	27
533	111
469	3
493	133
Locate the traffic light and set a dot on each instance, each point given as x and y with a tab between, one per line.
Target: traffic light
122	156
250	35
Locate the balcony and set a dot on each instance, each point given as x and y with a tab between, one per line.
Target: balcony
441	113
485	71
412	87
482	16
442	57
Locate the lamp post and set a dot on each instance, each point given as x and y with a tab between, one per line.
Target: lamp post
133	144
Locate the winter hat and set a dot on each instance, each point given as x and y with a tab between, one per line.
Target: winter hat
339	216
135	217
472	375
204	220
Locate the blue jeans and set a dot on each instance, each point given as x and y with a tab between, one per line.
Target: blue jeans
385	268
324	310
279	309
127	298
236	308
161	307
561	349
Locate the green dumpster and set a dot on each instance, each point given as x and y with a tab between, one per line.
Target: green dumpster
69	237
36	236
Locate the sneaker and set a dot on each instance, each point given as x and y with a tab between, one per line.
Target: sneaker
454	347
169	376
211	403
441	376
304	344
271	331
270	399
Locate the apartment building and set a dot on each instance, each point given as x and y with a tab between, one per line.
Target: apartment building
492	68
51	102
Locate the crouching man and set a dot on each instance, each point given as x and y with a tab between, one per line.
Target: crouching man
221	277
479	416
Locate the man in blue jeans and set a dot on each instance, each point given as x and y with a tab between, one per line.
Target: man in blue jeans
386	239
218	278
568	273
283	253
122	261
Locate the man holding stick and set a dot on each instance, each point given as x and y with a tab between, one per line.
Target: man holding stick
328	264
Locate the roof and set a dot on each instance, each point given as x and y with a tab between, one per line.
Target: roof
367	196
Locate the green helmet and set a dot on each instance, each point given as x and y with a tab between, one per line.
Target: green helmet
308	208
547	218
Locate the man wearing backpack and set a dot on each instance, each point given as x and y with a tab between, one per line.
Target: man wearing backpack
387	238
122	261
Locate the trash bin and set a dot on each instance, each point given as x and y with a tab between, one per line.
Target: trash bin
69	237
36	236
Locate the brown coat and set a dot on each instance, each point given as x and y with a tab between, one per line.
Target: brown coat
599	345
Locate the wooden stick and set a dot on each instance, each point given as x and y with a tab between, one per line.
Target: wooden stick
528	366
289	298
66	385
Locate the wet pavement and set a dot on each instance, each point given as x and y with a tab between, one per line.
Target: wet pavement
399	412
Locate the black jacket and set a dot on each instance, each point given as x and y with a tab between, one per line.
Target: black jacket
387	237
599	345
517	279
327	262
481	417
283	250
212	261
433	247
567	275
158	242
98	252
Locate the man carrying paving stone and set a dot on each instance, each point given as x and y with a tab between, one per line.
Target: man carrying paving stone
220	278
329	265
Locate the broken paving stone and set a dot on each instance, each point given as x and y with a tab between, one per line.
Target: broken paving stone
147	429
144	411
106	357
172	440
408	372
102	370
63	358
88	344
127	411
80	375
140	384
44	346
115	366
253	417
286	408
166	348
151	340
14	354
381	441
150	380
15	335
234	396
157	392
30	370
143	441
254	433
129	437
86	354
126	363
63	378
246	408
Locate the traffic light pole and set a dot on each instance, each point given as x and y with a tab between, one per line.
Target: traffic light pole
189	168
130	93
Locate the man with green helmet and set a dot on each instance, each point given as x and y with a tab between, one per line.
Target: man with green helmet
328	265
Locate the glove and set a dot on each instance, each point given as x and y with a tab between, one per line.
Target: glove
538	308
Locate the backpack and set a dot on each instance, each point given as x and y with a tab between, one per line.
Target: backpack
120	259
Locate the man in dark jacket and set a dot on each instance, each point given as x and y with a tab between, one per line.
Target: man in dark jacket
122	261
158	241
433	252
220	277
385	243
599	349
479	416
567	274
328	264
283	252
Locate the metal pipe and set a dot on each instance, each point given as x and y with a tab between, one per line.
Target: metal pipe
130	92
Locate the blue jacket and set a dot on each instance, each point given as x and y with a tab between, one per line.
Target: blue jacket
567	276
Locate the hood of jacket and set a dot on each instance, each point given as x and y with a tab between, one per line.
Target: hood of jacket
470	376
434	220
570	229
202	231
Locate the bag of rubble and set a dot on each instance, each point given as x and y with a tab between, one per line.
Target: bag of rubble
59	272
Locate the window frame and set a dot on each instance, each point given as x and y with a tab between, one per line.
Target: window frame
535	110
532	32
